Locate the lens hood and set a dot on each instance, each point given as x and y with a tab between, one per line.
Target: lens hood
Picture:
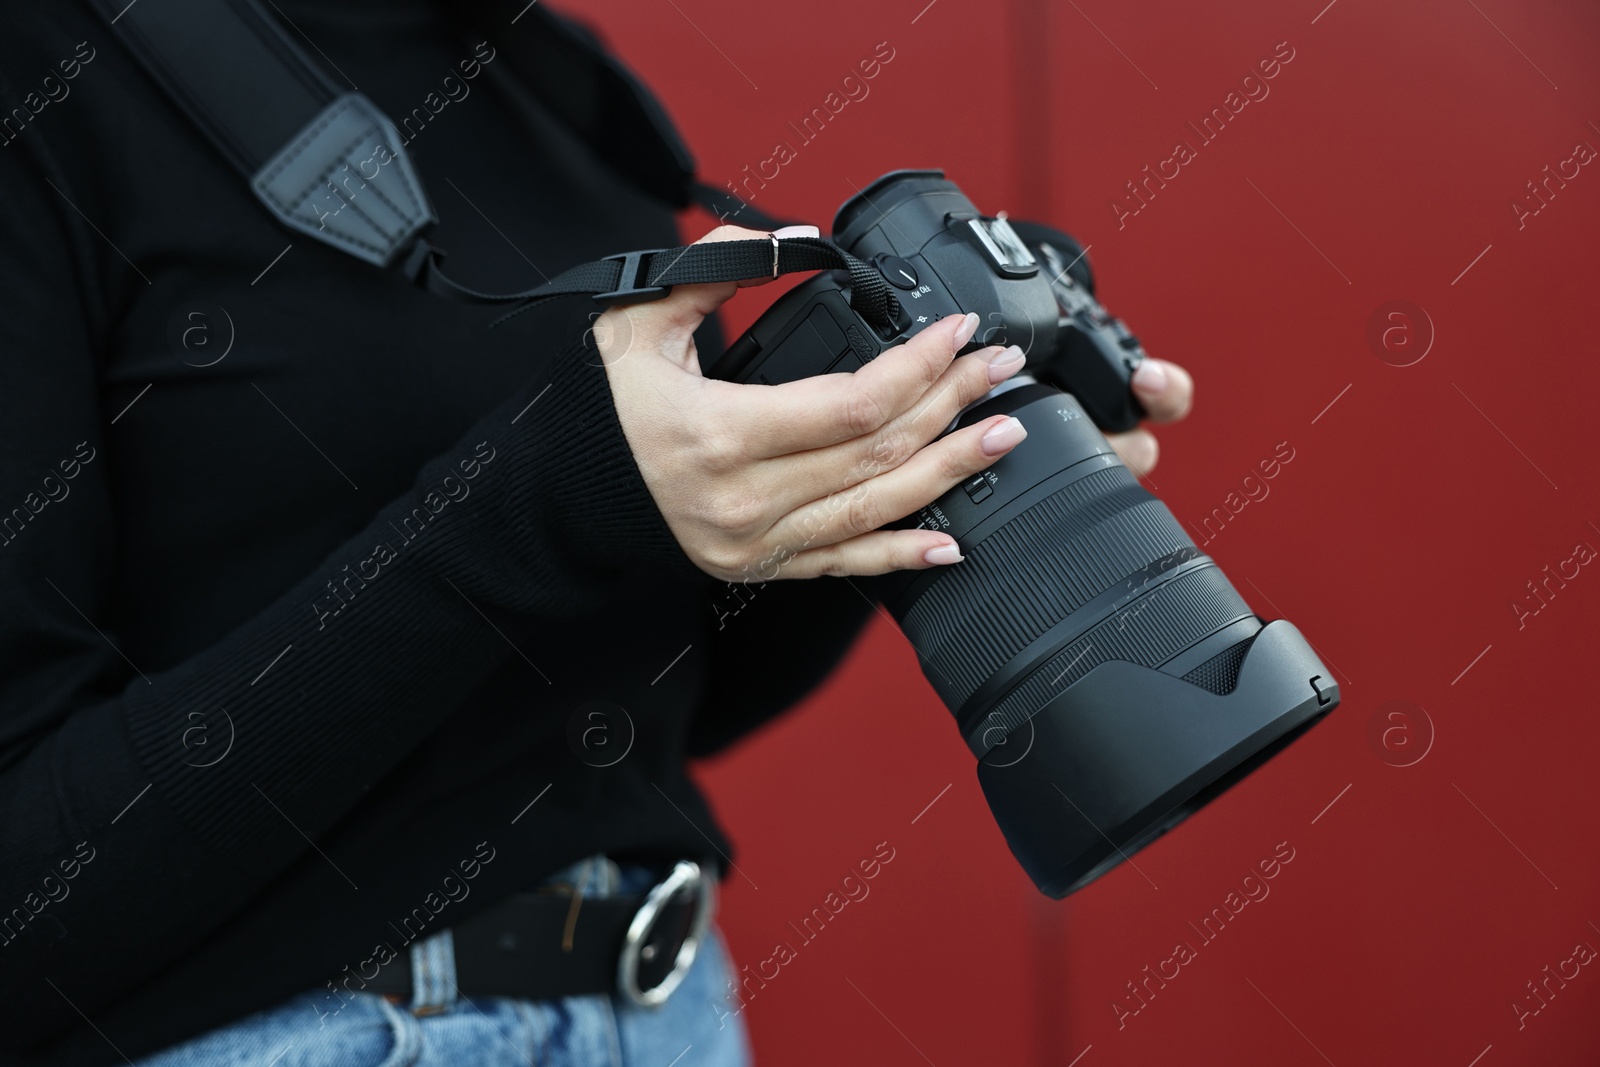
1128	752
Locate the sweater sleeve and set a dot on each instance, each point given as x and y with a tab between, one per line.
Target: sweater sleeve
140	809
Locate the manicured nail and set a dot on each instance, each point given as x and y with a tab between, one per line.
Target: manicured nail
1151	377
968	327
797	231
1004	363
950	553
1006	435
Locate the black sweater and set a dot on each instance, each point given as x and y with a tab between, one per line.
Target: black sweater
308	580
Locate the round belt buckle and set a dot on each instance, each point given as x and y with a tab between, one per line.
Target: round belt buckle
685	877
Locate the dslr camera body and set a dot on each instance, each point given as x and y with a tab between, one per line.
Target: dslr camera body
1104	672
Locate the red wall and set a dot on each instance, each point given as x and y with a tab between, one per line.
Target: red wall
1423	893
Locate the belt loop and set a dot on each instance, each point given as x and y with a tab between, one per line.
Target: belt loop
433	974
578	888
607	876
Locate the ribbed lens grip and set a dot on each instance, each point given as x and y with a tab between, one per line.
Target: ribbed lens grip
1032	573
1151	630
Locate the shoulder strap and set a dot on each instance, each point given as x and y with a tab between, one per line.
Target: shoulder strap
306	147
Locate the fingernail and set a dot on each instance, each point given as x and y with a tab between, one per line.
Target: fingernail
1151	377
797	231
1006	435
968	327
1004	363
950	553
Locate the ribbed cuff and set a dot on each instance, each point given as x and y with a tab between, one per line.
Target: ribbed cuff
593	497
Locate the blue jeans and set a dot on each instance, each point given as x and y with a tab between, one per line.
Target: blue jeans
440	1028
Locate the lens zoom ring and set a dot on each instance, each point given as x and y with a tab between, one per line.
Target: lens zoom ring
1033	572
1148	632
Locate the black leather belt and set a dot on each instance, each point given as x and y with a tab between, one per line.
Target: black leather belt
554	943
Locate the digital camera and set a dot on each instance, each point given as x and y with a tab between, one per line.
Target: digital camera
1105	673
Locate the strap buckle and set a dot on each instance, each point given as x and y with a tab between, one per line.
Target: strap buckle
419	261
628	290
638	945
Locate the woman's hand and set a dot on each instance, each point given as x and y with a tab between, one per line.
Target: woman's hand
765	481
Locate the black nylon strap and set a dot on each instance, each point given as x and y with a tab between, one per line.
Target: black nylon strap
639	276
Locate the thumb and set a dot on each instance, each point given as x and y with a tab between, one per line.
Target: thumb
667	326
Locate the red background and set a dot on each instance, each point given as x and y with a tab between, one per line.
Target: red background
1382	166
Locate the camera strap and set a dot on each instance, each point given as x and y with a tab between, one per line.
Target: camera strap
299	138
281	121
635	277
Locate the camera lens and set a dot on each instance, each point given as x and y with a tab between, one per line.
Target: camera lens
1104	671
